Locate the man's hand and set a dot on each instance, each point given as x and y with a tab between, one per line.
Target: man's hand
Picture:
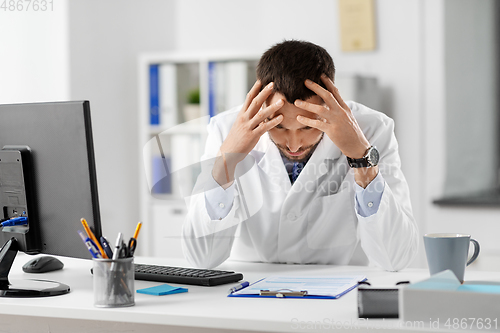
336	120
250	124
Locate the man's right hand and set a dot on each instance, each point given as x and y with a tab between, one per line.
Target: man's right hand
251	123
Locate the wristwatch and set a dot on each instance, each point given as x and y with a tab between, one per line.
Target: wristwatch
369	160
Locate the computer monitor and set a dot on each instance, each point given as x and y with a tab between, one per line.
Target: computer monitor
54	141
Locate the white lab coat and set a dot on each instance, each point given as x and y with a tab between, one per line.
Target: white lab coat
313	221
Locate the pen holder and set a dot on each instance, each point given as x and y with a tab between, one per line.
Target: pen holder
113	282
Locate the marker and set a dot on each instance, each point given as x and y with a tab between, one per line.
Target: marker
242	285
117	250
88	243
106	247
94	247
93	238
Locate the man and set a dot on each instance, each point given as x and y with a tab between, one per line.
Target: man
297	175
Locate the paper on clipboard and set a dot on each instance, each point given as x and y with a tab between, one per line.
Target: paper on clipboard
316	286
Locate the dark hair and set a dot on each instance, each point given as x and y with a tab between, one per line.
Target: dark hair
290	63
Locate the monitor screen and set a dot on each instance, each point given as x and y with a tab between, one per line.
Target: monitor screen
59	136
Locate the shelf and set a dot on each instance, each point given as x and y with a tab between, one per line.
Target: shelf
489	198
179	129
160	199
172	133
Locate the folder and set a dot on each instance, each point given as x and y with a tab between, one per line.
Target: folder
319	287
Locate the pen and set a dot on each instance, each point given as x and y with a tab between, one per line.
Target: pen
106	247
93	238
240	286
87	243
117	250
123	250
94	247
132	243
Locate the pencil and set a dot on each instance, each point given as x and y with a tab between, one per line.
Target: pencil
91	236
137	229
136	233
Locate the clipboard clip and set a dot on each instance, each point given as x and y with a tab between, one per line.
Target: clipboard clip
282	293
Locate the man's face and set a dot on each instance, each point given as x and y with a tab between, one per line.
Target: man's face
295	140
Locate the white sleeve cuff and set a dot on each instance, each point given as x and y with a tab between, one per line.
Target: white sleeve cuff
218	201
368	199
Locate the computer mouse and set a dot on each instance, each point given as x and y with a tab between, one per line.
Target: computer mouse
43	265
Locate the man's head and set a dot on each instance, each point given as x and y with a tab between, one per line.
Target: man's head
288	65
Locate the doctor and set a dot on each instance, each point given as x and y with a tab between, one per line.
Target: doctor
297	175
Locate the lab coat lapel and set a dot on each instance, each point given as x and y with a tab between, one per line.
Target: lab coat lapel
321	168
272	164
321	161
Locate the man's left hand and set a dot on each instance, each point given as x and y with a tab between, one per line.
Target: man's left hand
335	118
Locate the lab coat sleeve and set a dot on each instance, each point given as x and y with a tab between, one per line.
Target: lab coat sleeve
390	236
207	240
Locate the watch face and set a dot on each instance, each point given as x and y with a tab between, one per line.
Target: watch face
373	156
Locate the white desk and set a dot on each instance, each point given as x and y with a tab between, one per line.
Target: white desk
206	309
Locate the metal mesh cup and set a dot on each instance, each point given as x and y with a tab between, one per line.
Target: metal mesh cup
113	282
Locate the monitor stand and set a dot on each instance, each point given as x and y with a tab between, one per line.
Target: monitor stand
24	288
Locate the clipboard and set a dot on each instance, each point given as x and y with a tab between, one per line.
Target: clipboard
304	287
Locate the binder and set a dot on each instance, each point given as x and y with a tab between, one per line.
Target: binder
212	102
227	85
154	96
306	287
168	95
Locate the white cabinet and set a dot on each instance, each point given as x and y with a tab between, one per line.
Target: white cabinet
168	216
172	133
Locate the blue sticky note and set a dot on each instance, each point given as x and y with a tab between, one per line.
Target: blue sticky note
480	288
163	289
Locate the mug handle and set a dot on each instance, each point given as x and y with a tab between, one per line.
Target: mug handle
476	251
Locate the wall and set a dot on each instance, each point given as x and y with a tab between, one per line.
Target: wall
482	223
106	38
471	94
34	57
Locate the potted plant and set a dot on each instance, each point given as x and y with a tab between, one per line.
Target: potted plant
192	109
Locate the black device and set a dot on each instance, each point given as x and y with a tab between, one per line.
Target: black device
43	264
18	197
183	275
193	276
53	142
370	159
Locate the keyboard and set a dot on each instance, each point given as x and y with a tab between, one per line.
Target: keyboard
193	276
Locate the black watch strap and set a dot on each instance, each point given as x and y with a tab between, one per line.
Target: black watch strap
369	160
358	162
